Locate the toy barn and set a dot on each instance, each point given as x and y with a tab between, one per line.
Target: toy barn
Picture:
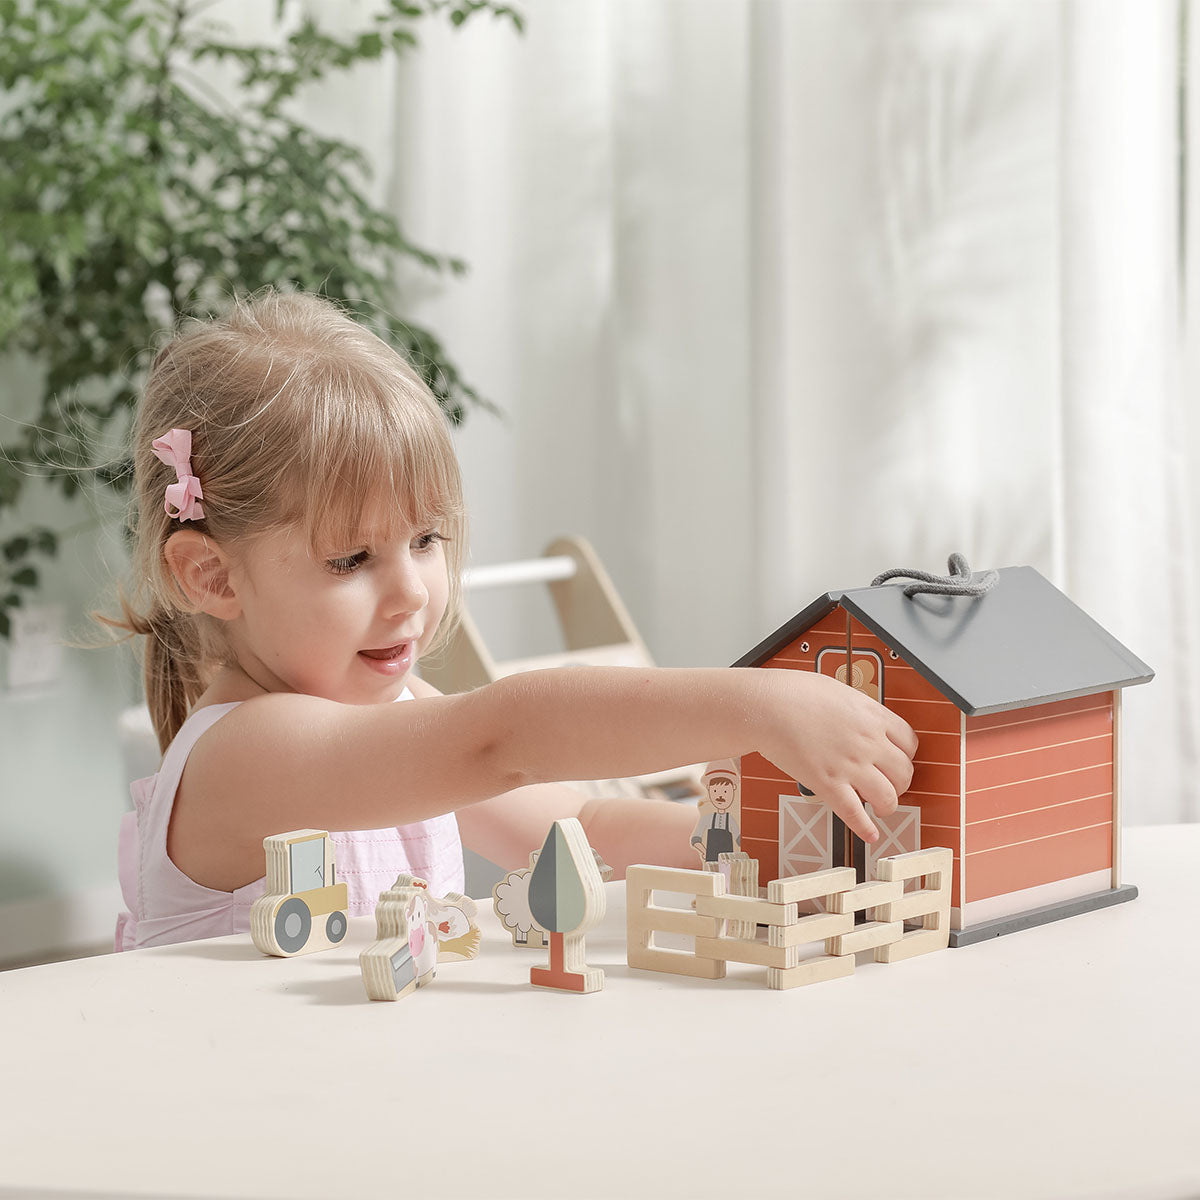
1015	696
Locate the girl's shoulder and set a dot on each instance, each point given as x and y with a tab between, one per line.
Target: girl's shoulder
277	713
420	689
243	778
273	724
285	729
254	713
254	726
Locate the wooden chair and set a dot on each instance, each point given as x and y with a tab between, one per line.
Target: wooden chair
597	630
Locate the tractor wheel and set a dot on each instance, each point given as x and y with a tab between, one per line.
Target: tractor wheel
336	926
293	924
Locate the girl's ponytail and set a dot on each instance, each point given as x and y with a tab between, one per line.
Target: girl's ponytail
172	651
169	671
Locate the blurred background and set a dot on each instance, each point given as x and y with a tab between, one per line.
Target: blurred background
760	297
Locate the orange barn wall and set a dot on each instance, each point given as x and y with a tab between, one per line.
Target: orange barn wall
937	768
937	777
762	781
1039	795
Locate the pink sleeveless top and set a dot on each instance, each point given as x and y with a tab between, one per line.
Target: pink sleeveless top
166	906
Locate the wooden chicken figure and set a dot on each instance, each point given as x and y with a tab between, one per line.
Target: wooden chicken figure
454	918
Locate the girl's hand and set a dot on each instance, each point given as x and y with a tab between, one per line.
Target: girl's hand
847	748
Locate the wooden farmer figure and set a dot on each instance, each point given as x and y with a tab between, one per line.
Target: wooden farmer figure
717	830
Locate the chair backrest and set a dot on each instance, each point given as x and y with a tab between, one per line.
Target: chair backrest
596	626
597	630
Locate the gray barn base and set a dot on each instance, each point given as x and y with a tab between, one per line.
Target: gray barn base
986	930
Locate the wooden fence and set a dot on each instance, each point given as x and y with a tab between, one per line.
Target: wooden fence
725	927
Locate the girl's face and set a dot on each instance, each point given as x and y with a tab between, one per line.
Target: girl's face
346	624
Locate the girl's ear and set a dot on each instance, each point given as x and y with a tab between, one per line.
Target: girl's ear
201	569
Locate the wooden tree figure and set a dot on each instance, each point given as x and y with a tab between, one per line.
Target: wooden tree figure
566	897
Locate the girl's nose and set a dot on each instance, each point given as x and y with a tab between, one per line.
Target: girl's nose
407	592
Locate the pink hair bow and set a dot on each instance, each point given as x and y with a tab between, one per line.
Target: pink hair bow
183	497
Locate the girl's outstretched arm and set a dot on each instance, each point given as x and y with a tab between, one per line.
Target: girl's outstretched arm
847	748
284	761
624	830
507	828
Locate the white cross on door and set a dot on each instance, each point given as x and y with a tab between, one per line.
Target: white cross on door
805	836
898	834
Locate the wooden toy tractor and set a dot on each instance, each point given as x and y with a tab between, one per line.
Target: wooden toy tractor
303	909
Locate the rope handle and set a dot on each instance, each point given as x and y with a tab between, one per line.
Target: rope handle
961	581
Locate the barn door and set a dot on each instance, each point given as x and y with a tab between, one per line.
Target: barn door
806	833
805	836
898	834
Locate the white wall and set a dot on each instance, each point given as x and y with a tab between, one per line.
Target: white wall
598	186
63	786
780	295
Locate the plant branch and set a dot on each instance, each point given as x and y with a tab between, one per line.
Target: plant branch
135	193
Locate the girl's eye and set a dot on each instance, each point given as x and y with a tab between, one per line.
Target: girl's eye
427	540
343	566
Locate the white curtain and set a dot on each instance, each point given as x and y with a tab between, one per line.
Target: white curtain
1125	544
776	295
595	173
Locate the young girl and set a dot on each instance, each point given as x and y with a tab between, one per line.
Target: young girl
299	534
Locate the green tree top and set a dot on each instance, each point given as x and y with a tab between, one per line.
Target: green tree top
133	193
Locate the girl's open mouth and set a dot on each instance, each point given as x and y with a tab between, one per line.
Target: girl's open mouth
389	659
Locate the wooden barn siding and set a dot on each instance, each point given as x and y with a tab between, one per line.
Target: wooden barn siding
762	781
937	768
937	776
1039	795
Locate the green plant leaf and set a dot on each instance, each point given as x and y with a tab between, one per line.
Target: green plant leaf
134	194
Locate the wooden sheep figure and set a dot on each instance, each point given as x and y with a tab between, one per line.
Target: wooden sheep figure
1015	695
510	902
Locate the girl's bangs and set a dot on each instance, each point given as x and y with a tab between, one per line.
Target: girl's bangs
388	469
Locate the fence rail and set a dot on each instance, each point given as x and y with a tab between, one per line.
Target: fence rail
724	927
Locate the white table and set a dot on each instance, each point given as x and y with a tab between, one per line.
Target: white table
1062	1061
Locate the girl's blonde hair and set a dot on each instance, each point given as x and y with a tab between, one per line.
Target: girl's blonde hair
299	417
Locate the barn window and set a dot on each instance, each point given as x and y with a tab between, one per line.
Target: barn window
865	671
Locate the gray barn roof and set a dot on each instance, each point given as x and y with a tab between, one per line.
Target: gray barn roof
1022	643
